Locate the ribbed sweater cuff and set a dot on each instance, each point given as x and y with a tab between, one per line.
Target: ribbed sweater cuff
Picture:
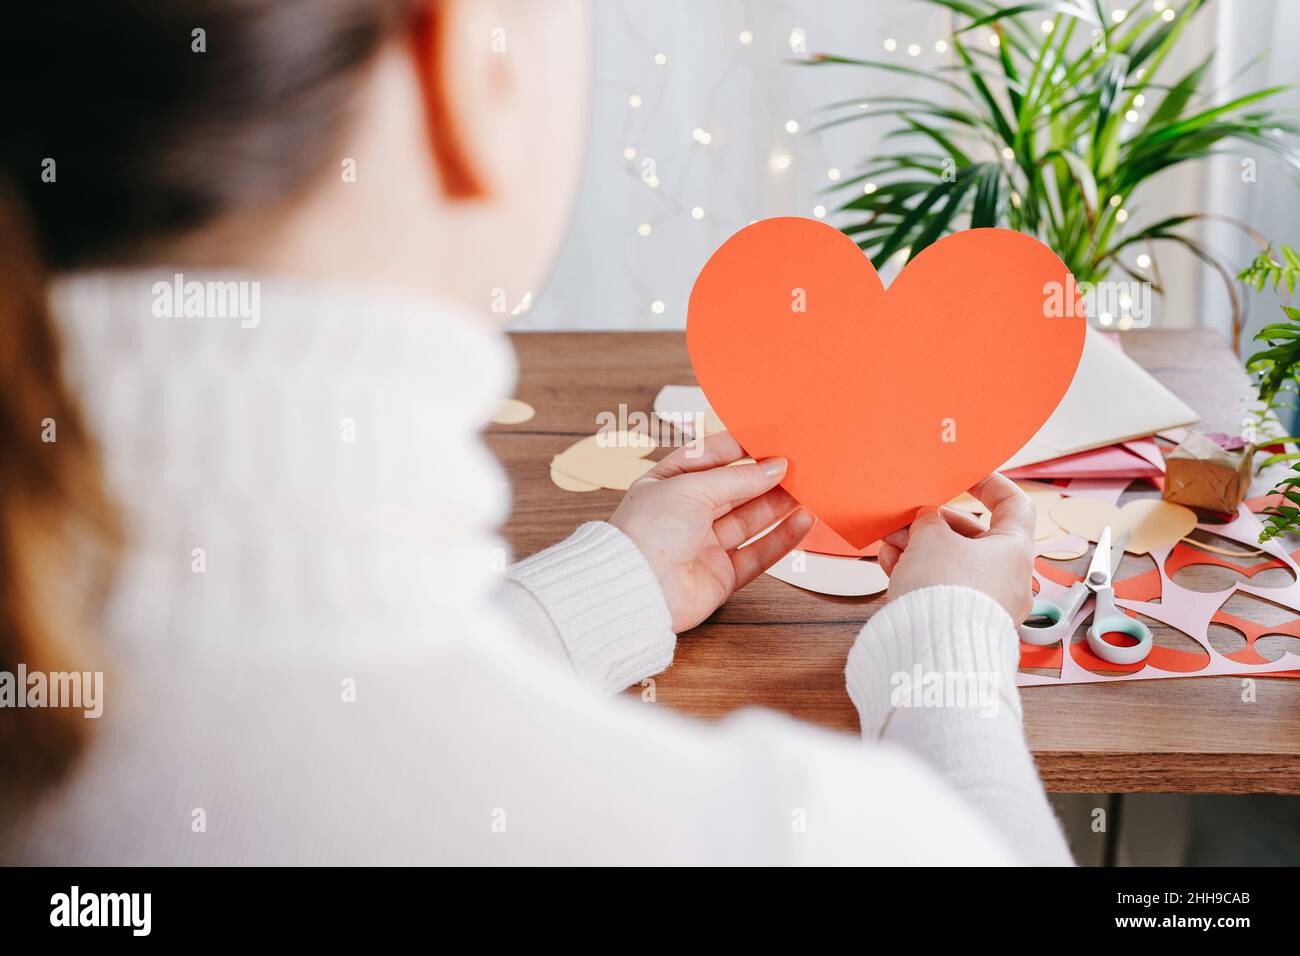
954	635
606	604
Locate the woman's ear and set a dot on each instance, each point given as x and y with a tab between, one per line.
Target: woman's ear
468	83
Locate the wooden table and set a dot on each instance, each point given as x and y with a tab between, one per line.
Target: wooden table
777	646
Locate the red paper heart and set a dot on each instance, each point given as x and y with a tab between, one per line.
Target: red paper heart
975	341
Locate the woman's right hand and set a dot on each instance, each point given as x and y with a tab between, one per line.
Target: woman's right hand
944	546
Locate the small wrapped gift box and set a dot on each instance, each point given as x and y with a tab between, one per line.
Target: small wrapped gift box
1209	471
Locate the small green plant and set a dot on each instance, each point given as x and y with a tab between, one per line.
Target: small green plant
1277	371
1049	127
1273	269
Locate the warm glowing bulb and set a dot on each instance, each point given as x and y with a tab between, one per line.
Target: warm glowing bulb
697	212
643	230
1143	261
995	40
1115	201
1047	26
819	211
791	126
634	101
702	136
780	162
746	38
1139	100
1132	116
869	188
1167	15
660	59
629	153
833	174
1008	152
1121	215
1118	15
914	49
941	46
891	44
657	307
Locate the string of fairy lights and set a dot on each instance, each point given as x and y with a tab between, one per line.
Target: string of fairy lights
646	164
792	142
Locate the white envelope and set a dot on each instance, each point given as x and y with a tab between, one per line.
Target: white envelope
1112	399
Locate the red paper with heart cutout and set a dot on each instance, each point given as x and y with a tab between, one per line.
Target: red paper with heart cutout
882	400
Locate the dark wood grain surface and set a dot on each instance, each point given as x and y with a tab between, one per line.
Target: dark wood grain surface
777	646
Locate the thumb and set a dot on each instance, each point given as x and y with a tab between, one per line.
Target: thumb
928	520
928	525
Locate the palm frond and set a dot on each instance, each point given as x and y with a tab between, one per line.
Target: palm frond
1050	133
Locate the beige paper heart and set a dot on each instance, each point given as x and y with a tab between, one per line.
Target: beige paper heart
1056	548
513	412
611	459
571	484
1153	523
1043	498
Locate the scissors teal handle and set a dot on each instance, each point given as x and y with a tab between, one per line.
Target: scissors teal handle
1106	619
1058	618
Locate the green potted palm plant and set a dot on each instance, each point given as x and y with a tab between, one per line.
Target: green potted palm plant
1049	120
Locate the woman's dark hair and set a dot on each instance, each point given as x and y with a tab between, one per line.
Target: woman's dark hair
127	124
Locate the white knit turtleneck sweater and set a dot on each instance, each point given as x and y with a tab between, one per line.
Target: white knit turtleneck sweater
316	658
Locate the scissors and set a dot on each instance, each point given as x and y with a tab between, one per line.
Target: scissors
1050	622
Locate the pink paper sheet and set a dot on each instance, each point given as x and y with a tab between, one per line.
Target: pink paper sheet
1134	459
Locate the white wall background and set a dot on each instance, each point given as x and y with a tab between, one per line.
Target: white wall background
742	94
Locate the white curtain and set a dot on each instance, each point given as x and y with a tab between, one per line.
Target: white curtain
701	123
1255	44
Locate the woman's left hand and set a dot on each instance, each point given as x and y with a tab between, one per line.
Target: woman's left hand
692	511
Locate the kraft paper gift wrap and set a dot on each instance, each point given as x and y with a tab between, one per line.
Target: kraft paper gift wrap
1202	473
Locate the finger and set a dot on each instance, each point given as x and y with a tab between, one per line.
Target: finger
736	527
963	522
751	561
727	487
888	557
1011	511
898	539
958	521
701	454
928	519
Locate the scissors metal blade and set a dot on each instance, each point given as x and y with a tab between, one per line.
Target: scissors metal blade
1099	570
1117	553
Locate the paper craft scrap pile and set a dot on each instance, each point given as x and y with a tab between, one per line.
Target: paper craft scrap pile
1159	530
